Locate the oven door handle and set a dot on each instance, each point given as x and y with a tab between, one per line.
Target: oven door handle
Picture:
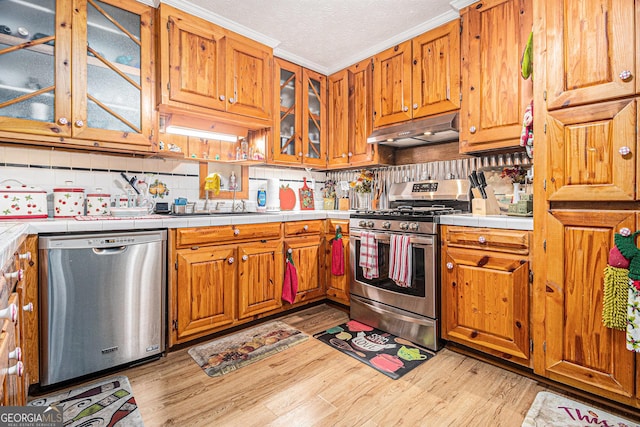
380	237
386	238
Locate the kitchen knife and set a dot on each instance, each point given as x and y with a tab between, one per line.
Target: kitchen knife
482	184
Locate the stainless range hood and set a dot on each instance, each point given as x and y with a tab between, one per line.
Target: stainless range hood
428	130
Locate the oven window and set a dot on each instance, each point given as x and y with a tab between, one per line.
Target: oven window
417	287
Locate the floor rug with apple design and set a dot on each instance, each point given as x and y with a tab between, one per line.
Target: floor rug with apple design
391	355
108	402
227	354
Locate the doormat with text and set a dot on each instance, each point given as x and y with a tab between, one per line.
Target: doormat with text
552	410
227	354
106	403
385	352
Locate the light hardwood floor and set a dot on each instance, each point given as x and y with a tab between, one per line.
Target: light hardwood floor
312	384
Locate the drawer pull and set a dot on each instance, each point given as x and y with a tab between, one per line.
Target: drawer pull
28	307
26	256
10	312
472	129
236	231
625	232
449	266
245	257
16	354
482	239
305	228
625	75
624	151
18	274
17	369
231	260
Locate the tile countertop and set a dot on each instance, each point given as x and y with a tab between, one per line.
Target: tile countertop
52	225
489	221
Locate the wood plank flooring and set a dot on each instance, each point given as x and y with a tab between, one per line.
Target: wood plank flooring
312	384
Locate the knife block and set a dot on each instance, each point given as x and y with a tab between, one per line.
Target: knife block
484	207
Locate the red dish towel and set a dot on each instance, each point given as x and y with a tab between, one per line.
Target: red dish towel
290	284
368	255
337	257
400	260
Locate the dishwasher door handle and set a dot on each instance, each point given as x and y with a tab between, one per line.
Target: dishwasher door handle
109	251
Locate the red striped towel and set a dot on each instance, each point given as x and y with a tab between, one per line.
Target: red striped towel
368	255
400	260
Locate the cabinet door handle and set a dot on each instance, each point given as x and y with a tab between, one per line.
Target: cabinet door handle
79	123
231	260
300	154
472	129
222	97
26	255
350	154
245	257
17	369
18	274
449	266
624	151
405	108
28	307
344	155
232	100
63	121
625	75
415	106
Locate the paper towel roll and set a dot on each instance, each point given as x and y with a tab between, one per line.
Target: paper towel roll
273	194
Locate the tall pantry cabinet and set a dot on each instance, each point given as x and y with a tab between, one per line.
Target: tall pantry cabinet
586	188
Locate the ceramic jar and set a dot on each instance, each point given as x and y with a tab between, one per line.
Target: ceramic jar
68	201
98	203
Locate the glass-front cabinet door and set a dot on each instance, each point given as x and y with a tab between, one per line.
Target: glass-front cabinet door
287	145
315	111
35	87
108	46
111	78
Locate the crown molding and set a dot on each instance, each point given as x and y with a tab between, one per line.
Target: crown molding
461	4
153	3
198	11
298	60
404	36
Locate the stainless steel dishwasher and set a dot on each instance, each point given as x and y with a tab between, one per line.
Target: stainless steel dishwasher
102	299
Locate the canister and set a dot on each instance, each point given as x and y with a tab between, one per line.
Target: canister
68	202
18	200
98	203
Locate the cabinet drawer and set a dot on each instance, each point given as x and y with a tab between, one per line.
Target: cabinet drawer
330	227
301	228
516	241
227	233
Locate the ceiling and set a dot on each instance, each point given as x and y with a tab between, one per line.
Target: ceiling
325	35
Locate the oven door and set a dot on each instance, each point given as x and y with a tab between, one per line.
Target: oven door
420	297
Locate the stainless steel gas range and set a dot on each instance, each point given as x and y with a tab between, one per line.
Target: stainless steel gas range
408	308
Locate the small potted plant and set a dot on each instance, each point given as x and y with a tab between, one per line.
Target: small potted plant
329	194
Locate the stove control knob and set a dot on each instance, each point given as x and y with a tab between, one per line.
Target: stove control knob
386	225
362	224
370	224
404	226
413	226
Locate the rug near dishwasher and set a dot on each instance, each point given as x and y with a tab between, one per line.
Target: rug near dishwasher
109	403
553	410
227	354
388	354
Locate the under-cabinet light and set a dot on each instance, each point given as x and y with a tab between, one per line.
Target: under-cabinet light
180	130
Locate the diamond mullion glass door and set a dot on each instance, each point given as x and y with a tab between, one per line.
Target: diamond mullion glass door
315	114
33	35
109	66
289	119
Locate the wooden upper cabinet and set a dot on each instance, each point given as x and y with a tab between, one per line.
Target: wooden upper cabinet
205	67
196	64
351	116
108	99
585	161
580	350
591	53
249	68
392	85
436	70
301	102
494	95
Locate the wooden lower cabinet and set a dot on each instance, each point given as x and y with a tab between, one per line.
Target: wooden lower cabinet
337	287
485	291
260	272
307	257
206	286
578	349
